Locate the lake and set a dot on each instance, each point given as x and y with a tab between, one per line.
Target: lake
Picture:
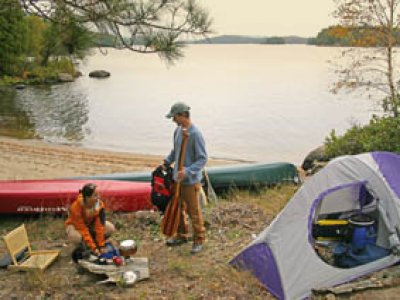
263	103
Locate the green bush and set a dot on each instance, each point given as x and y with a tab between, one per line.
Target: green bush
381	134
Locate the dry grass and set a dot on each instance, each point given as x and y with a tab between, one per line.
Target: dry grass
174	273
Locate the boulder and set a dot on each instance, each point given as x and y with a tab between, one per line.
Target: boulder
99	74
65	77
314	157
20	86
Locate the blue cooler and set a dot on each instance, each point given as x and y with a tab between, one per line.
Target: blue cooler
363	231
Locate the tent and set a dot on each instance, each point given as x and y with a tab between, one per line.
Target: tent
283	256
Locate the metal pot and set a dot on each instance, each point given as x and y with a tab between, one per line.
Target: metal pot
127	248
129	278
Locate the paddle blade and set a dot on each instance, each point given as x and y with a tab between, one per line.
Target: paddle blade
170	221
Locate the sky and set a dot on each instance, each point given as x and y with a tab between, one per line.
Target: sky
270	17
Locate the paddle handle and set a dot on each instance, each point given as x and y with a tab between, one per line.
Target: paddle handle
170	222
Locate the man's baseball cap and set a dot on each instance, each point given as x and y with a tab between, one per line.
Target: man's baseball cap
177	108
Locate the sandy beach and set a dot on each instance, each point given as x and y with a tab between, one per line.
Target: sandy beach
35	159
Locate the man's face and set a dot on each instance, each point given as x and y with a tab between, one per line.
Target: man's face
178	119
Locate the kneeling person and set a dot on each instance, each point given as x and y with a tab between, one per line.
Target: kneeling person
86	223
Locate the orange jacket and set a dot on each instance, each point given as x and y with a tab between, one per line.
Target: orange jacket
84	221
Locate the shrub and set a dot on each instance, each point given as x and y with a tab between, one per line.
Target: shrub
36	73
381	134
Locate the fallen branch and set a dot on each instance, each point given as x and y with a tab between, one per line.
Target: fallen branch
372	283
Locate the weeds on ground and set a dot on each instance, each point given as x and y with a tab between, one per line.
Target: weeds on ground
231	224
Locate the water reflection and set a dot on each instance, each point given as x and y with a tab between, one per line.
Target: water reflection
14	121
55	113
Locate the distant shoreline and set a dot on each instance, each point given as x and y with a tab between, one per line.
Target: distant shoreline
243	39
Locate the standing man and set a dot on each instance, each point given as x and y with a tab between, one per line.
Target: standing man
190	176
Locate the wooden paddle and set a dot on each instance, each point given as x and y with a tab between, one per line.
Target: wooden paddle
170	222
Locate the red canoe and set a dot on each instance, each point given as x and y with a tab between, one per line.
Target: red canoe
42	196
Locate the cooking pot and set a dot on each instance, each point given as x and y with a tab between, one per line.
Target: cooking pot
127	248
129	278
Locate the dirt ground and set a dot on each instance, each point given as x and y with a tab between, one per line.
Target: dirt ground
231	223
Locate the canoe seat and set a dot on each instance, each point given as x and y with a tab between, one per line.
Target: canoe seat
17	241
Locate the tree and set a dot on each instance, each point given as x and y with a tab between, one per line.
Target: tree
377	23
51	42
65	36
34	36
152	26
12	37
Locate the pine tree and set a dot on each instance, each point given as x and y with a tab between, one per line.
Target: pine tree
12	37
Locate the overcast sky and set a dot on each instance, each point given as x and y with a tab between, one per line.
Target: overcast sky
270	17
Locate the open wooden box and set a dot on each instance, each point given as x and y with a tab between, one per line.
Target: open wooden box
17	241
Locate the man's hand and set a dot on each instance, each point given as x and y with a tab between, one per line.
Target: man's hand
164	165
181	175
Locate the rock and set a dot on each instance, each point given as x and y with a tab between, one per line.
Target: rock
99	74
316	155
50	81
330	297
65	77
20	86
77	74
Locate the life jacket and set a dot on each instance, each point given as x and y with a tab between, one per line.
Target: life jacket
161	187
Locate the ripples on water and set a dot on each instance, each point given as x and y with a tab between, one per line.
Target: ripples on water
55	113
252	102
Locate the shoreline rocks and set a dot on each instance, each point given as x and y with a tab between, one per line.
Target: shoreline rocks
315	160
99	74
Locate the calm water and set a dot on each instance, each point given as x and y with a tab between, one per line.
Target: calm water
252	102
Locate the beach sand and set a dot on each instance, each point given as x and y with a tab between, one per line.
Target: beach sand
35	159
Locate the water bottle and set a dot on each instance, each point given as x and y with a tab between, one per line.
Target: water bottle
359	239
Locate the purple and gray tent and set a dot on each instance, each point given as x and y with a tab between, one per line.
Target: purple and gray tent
283	257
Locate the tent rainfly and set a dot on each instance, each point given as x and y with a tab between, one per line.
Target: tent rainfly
284	258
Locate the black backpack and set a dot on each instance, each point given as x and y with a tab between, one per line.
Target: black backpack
161	187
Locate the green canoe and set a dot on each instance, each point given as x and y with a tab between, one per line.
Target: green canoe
240	175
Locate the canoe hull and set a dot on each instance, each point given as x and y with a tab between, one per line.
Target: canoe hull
240	175
55	196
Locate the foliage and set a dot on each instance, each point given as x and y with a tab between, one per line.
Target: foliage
34	36
41	74
159	23
74	37
12	33
38	74
368	23
352	37
330	37
65	37
27	43
381	134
